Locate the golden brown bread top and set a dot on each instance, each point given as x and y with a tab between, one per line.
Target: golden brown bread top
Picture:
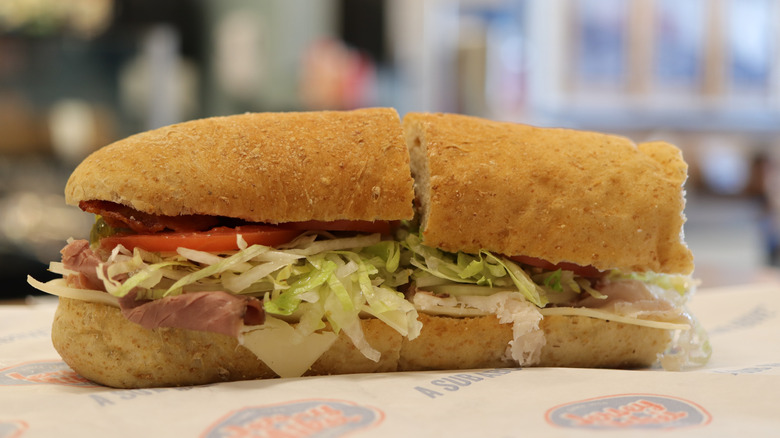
556	194
263	167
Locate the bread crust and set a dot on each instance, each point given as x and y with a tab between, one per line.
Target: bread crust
262	167
556	194
101	345
578	202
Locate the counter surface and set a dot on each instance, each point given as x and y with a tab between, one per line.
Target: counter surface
736	393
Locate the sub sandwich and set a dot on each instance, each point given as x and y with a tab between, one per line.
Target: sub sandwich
290	244
568	243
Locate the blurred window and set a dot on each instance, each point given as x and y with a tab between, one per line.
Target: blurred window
749	32
600	41
679	42
688	56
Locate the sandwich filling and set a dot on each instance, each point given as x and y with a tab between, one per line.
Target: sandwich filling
522	290
318	278
303	292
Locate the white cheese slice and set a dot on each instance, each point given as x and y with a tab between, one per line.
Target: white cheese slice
283	349
60	288
612	316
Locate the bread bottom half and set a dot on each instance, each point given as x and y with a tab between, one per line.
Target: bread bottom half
101	345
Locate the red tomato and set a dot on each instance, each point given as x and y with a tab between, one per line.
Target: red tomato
383	227
216	239
583	271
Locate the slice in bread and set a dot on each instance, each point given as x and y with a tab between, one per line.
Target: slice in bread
555	194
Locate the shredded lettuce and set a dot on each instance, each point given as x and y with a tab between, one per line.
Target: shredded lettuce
482	269
524	284
552	280
223	265
324	282
682	284
487	273
333	280
287	301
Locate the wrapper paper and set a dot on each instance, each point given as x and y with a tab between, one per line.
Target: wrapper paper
736	394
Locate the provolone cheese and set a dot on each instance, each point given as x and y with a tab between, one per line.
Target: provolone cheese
284	350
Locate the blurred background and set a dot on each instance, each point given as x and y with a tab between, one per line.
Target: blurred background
703	74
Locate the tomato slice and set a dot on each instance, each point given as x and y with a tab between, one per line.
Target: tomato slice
583	271
214	240
383	227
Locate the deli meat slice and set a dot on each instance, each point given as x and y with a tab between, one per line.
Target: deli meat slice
218	312
79	258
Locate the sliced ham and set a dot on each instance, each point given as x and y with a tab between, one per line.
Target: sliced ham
78	257
623	292
218	312
633	298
